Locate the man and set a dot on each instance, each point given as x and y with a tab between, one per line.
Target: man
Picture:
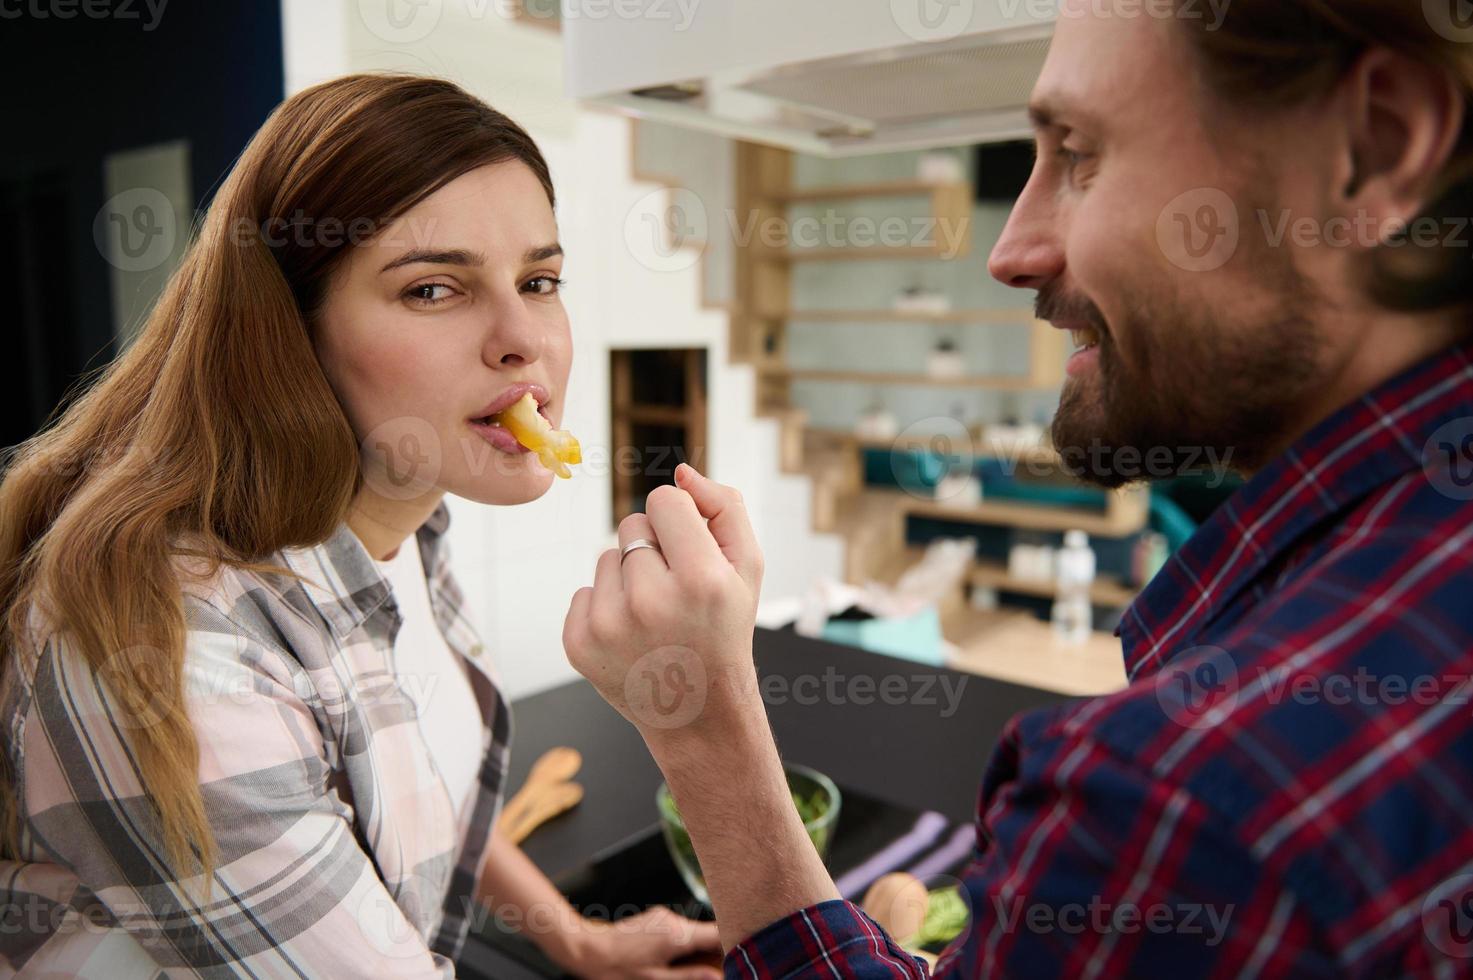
1253	231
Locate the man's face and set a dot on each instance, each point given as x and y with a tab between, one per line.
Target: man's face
1139	229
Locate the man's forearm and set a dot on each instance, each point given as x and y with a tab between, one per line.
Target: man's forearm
757	859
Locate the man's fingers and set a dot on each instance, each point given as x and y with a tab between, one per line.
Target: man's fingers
722	506
577	619
644	569
682	533
608	587
632	529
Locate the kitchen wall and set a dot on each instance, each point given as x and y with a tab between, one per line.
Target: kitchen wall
902	347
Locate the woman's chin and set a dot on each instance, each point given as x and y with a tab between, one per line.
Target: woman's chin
519	483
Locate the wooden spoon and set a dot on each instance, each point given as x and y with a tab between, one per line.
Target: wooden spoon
548	801
554	766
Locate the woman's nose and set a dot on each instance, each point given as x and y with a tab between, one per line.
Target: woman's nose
514	337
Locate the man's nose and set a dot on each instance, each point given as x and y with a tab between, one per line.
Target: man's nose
1029	252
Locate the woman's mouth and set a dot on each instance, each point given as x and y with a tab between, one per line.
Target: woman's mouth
498	436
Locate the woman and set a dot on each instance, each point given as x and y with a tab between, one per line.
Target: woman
248	727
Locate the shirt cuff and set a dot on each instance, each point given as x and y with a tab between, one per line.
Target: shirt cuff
834	936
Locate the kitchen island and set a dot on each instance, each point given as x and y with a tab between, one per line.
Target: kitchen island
891	730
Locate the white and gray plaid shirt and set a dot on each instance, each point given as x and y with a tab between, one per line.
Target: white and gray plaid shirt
340	853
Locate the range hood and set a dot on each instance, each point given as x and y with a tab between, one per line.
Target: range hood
824	77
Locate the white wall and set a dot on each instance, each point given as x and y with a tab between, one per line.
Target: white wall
520	566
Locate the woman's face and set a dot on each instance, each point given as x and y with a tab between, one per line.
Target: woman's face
453	308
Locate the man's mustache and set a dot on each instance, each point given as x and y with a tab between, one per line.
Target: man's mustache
1053	304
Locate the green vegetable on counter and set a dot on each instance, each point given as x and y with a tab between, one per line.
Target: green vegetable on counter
946	918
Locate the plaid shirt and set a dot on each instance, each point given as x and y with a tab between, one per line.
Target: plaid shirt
1285	789
340	853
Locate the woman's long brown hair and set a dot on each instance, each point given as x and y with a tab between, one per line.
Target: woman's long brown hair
216	436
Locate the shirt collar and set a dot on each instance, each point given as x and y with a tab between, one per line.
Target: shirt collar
343	581
1366	444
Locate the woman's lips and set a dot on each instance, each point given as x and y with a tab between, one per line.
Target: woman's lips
499	438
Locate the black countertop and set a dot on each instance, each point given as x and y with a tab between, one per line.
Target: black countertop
899	732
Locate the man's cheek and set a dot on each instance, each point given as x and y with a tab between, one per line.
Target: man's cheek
1095	257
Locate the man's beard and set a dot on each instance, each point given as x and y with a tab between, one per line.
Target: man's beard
1182	392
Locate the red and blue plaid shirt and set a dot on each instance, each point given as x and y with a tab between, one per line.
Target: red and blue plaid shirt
1286	787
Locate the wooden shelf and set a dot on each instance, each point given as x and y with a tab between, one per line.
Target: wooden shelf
677	369
1106	591
1020	382
1006	317
1015	646
889	188
843	252
658	414
1018	648
1036	454
1115	523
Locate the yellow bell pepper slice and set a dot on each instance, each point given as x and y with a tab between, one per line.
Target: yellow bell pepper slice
554	447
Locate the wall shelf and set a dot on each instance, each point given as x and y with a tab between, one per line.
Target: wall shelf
884	252
1005	382
1125	515
1106	591
658	414
657	402
888	188
1018	317
1028	455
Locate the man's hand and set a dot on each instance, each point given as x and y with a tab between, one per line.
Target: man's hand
666	635
667	640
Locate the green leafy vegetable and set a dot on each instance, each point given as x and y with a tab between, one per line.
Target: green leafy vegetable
946	918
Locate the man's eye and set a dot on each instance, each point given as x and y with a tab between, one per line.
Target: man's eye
544	285
1070	158
428	293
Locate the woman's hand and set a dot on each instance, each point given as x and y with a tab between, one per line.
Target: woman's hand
643	947
666	636
640	947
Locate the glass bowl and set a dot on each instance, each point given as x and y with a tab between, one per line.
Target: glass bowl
814	794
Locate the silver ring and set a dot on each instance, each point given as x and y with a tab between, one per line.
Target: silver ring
635	545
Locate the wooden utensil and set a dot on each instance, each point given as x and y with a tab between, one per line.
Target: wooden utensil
548	801
540	795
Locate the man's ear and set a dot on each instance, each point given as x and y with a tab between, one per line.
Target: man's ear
1403	121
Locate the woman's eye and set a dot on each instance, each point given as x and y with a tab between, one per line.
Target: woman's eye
544	285
428	293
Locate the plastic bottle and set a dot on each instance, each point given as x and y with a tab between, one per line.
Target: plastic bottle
1073	616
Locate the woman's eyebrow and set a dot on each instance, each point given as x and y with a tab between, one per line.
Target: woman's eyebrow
449	256
464	257
542	253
